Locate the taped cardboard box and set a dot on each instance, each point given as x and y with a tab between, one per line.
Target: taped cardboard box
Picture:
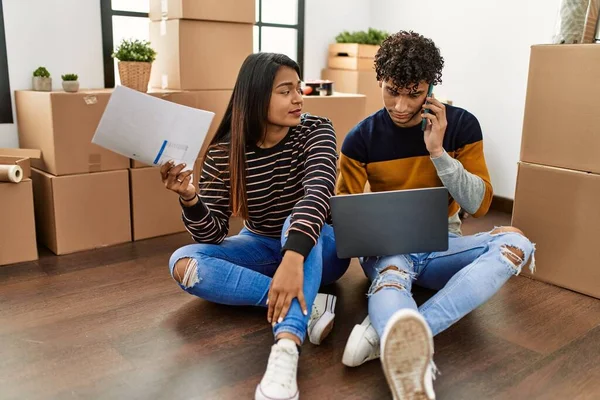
360	82
17	228
561	121
242	11
343	109
81	212
558	210
155	211
62	126
198	55
209	100
17	232
352	56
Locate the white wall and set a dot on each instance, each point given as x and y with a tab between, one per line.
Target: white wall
62	35
485	45
324	19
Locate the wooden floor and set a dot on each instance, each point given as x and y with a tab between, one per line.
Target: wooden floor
111	324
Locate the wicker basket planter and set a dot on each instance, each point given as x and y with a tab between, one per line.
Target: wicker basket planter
135	75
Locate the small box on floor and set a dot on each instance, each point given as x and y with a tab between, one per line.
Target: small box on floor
207	10
198	55
82	212
62	126
17	229
558	210
17	233
344	110
361	82
563	131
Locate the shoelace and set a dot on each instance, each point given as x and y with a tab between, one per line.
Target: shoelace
434	370
282	365
314	314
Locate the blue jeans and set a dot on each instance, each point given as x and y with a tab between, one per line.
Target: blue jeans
239	271
472	270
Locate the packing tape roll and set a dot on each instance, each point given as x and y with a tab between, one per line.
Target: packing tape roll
11	173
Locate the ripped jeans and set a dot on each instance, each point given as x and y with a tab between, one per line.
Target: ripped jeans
469	273
239	271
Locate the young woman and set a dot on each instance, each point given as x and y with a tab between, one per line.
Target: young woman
276	168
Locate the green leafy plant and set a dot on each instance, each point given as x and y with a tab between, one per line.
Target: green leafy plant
41	72
70	77
372	36
135	50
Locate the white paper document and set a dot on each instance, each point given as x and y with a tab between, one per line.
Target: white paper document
151	130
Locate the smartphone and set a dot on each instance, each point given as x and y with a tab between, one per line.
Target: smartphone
424	120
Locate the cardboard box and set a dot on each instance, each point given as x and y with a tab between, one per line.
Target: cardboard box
352	56
198	55
209	100
558	210
17	230
62	126
360	82
344	110
155	211
351	63
81	212
207	10
20	157
353	50
561	121
17	227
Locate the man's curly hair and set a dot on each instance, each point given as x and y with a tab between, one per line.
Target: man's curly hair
407	58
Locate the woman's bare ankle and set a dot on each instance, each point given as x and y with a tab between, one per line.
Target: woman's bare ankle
287	335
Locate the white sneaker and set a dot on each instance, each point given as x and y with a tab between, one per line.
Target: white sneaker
362	345
406	356
322	314
279	381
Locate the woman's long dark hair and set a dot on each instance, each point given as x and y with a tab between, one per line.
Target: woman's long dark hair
245	120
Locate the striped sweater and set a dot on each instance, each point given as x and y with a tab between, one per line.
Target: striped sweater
295	177
394	158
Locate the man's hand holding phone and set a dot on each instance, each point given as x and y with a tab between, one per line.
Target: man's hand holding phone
435	126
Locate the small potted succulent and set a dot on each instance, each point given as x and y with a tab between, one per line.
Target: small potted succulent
42	82
70	83
135	63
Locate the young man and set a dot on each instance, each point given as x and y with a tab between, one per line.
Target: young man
390	150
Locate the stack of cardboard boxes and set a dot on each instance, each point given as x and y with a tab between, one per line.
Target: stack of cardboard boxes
17	231
558	184
155	211
201	45
200	49
351	68
85	196
81	191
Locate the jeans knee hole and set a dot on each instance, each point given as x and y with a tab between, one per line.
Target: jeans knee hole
186	272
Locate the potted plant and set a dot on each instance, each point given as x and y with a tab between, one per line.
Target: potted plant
135	63
70	83
372	37
42	81
355	50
